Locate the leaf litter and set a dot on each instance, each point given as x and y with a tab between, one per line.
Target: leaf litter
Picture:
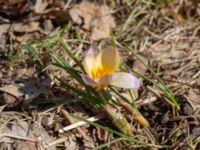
94	18
166	38
22	134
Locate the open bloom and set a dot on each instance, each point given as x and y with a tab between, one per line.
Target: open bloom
100	66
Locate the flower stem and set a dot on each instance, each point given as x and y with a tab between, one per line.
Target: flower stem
117	119
137	116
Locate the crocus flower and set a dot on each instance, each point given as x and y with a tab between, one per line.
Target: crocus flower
101	67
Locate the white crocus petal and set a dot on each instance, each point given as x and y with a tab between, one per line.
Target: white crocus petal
88	80
89	61
124	80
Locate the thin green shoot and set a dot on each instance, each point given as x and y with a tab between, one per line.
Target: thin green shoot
108	143
69	52
63	64
134	14
133	99
56	101
119	94
136	29
166	90
11	45
32	52
114	41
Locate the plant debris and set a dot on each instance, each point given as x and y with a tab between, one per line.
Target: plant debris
94	18
164	34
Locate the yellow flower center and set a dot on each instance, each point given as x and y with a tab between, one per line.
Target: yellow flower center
98	72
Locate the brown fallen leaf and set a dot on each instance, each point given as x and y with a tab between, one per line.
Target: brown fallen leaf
13	2
196	132
83	13
9	100
102	135
139	67
94	18
3	30
194	97
24	89
24	145
30	27
40	6
28	31
24	136
58	15
15	9
44	6
188	109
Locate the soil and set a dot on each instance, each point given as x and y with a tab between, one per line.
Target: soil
35	107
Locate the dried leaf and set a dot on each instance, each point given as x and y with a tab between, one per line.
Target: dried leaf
196	132
188	110
59	15
13	2
194	97
27	89
30	27
83	14
24	145
23	130
9	100
138	66
27	31
102	135
3	30
40	6
102	23
94	18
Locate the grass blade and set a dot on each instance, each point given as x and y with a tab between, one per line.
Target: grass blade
164	88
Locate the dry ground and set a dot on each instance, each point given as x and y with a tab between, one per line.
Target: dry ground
165	34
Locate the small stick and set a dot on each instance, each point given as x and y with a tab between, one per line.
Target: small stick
80	123
177	118
146	101
156	93
17	137
57	141
71	121
181	82
2	107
